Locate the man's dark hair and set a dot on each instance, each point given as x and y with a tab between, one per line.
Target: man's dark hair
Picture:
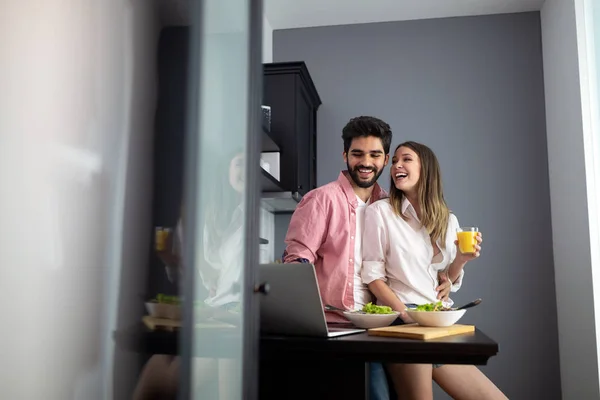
367	126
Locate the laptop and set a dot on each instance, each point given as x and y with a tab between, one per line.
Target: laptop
293	304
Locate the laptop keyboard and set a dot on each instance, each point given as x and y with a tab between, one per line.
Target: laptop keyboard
340	329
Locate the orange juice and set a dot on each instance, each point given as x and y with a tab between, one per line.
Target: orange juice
467	241
161	237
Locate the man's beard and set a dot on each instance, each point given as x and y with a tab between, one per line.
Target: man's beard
356	177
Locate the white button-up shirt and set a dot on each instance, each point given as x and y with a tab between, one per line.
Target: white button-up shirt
400	253
362	295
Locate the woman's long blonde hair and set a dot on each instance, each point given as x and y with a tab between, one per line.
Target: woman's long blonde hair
430	194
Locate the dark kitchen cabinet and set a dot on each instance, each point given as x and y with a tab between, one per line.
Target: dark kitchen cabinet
290	92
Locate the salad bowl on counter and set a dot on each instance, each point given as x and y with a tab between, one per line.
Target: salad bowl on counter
435	314
372	316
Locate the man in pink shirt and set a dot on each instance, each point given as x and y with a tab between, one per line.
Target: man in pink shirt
326	227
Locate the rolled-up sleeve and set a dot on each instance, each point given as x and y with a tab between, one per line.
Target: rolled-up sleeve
453	228
374	246
306	231
458	282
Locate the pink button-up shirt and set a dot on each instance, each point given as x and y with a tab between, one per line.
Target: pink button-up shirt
322	231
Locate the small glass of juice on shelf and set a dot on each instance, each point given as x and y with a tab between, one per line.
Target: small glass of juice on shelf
161	238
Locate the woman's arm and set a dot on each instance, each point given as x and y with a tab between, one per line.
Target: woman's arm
455	269
375	248
385	295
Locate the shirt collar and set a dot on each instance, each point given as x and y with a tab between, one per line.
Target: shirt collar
344	181
406	206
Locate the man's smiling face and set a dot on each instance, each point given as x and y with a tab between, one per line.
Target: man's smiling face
365	160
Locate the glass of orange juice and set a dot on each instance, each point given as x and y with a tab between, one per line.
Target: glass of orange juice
467	240
161	238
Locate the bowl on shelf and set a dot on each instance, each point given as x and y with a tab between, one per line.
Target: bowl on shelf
162	310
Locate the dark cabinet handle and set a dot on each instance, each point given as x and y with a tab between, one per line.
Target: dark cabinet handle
263	288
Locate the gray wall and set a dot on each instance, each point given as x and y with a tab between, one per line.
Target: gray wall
472	89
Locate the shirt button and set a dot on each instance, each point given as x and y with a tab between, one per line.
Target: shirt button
349	284
352	237
350	260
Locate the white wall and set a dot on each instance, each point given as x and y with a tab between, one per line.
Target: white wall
76	89
267	42
572	231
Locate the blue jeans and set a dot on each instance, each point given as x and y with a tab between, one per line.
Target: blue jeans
378	386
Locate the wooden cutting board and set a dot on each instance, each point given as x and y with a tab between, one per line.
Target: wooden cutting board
161	323
154	323
415	331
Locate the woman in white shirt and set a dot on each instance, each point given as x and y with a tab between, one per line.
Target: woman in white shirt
219	264
408	242
220	261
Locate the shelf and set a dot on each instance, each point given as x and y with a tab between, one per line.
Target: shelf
268	144
280	202
268	183
276	199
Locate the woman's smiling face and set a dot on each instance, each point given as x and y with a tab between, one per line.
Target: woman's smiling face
406	170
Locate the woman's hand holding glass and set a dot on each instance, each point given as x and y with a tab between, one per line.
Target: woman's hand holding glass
466	252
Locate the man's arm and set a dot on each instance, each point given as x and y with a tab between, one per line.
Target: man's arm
307	230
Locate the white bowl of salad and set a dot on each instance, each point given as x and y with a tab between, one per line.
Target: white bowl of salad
164	306
435	314
372	316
